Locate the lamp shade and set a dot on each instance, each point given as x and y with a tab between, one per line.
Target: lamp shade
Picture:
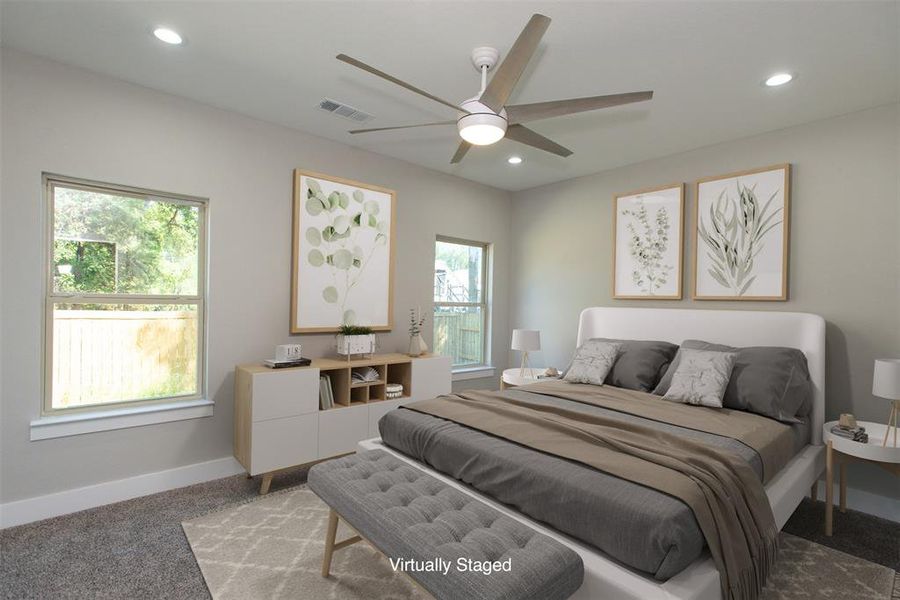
886	380
528	340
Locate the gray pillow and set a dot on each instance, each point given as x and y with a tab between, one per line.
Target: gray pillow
767	380
640	363
701	377
592	362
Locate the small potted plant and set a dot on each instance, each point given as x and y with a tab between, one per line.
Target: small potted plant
355	339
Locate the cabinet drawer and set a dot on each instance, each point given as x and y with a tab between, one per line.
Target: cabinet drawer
341	428
285	393
378	410
280	443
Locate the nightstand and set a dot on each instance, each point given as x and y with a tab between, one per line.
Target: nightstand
513	378
840	451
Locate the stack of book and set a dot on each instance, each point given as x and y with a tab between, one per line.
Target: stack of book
326	394
857	434
274	363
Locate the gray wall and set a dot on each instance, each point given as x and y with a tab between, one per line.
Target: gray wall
65	120
844	254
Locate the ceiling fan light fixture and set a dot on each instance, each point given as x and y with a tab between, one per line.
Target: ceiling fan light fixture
479	125
482	134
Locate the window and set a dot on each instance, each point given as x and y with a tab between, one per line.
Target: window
460	302
125	296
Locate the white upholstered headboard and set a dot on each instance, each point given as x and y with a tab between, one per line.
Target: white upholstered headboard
803	331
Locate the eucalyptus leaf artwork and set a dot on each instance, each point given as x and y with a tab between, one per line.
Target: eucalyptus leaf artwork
647	246
342	254
741	235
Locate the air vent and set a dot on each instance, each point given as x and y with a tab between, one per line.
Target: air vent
344	110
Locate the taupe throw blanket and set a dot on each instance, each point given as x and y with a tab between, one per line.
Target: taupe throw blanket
723	492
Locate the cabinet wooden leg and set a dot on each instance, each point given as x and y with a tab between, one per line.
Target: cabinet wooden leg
330	534
829	487
842	471
264	486
814	491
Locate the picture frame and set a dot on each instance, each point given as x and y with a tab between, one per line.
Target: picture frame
748	263
648	265
342	259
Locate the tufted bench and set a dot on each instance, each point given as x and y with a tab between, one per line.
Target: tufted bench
410	515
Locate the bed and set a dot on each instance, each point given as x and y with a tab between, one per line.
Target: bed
681	569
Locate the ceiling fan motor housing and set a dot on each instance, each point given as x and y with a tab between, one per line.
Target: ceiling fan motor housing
480	125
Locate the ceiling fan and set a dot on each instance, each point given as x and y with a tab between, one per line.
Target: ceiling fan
486	118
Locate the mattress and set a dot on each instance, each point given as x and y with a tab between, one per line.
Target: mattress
640	527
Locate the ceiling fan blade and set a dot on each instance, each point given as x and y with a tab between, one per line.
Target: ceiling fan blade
522	113
401	127
504	80
361	65
523	135
460	152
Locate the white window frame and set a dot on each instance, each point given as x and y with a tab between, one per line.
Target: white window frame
126	412
483	369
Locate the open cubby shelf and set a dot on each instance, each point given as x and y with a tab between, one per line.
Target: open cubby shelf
394	368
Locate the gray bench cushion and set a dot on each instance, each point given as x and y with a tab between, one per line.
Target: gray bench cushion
408	514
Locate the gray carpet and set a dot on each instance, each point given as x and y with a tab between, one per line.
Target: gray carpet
137	549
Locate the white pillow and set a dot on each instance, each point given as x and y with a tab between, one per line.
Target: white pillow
701	377
592	362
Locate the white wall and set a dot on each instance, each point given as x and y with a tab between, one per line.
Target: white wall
844	254
65	120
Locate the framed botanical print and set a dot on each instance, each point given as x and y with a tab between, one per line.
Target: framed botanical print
343	254
647	243
741	235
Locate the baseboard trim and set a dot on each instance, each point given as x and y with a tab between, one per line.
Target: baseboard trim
29	510
865	502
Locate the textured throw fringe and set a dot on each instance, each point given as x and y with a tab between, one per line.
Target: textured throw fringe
751	582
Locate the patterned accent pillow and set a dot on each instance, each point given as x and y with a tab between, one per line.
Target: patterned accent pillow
592	362
701	377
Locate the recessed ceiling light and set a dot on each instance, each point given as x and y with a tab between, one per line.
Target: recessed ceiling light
514	160
167	35
778	79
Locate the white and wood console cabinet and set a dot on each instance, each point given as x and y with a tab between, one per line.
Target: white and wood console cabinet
277	421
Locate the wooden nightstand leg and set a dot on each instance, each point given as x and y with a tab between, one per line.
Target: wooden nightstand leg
814	491
264	486
842	470
829	487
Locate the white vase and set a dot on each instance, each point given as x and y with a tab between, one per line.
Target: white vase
417	346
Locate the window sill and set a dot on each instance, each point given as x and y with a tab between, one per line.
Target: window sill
46	428
465	373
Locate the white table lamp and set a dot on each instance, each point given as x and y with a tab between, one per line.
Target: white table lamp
886	384
525	340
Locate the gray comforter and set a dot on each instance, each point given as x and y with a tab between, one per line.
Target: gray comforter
638	526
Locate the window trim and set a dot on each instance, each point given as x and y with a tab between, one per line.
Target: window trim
121	407
484	304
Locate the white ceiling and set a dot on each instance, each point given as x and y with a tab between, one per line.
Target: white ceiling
705	62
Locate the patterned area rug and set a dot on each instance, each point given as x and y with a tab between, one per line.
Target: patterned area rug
271	548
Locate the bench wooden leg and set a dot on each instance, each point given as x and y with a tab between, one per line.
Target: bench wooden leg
330	533
814	492
264	486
